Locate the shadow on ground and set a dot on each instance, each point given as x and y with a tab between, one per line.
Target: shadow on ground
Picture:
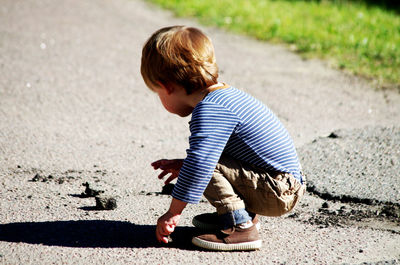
92	234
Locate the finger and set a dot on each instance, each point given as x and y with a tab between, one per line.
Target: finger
167	229
166	166
170	229
170	178
156	164
164	231
162	174
159	235
163	239
166	161
162	162
161	229
170	163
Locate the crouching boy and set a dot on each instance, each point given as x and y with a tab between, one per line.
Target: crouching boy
241	158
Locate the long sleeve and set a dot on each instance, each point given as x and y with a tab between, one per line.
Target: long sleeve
211	127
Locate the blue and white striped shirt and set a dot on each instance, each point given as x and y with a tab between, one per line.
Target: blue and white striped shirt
231	121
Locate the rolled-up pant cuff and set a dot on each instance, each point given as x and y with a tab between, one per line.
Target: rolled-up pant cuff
233	218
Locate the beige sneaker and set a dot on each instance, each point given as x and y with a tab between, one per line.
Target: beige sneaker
234	239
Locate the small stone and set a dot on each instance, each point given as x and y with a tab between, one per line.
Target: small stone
294	215
325	205
39	177
333	135
60	180
35	178
105	203
170	240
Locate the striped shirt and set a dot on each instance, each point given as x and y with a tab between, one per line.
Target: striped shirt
231	121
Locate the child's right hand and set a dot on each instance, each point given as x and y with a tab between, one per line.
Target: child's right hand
166	225
168	166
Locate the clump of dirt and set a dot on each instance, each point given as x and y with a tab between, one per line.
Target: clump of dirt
41	178
391	211
384	217
59	180
167	189
58	177
105	203
90	192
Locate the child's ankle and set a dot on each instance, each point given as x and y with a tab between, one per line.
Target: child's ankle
234	218
245	225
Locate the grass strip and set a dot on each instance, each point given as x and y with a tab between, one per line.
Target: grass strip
353	36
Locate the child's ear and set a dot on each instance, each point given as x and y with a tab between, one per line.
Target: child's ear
169	88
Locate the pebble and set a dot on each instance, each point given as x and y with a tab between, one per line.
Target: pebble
325	205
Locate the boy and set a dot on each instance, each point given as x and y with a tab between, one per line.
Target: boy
240	158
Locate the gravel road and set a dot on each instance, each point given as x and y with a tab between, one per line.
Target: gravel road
73	109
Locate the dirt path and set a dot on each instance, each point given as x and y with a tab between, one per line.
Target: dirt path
73	109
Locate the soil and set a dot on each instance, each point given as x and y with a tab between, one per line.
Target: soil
337	214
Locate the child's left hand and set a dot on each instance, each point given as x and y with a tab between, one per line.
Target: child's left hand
168	166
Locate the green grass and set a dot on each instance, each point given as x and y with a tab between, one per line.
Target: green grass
353	36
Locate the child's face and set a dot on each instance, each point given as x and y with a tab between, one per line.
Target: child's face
174	99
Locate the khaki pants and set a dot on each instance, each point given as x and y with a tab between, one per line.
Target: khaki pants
236	185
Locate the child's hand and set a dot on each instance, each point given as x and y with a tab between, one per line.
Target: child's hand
168	166
166	225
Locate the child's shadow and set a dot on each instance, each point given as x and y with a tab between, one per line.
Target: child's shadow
92	234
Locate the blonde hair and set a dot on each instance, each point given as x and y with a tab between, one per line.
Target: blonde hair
179	55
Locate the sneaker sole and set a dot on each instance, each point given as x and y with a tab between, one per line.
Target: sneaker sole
253	245
209	227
